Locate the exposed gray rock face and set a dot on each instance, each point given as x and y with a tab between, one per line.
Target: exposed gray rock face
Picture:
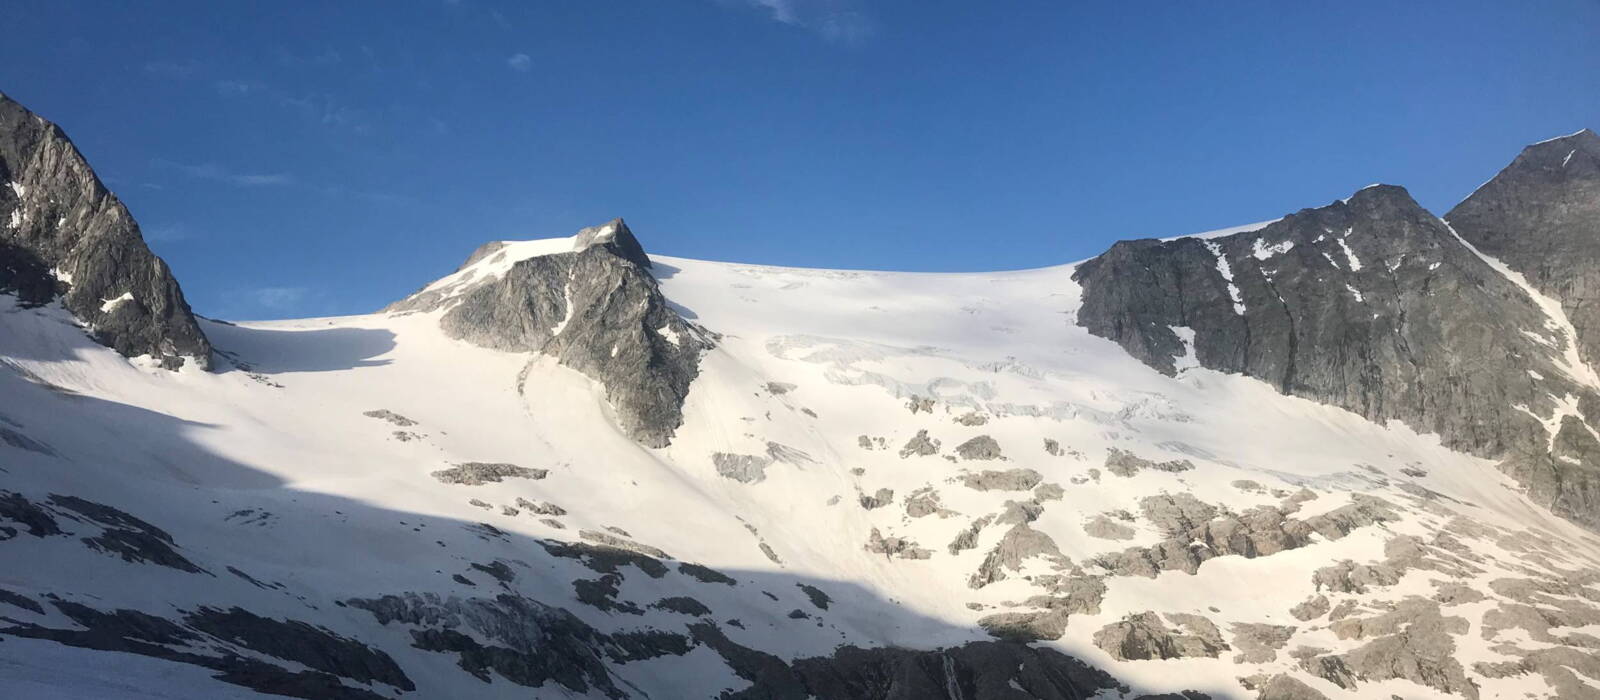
878	500
968	538
63	235
1349	577
1019	513
1287	687
1124	463
540	508
1311	608
12	438
1259	643
1107	529
1075	594
1370	304
523	641
1019	544
683	605
924	502
745	469
1198	532
623	544
385	414
480	473
1176	514
818	597
596	309
126	536
920	445
752	469
705	574
981	447
98	526
1541	217
235	643
1412	642
1008	480
1026	626
973	671
1145	636
892	547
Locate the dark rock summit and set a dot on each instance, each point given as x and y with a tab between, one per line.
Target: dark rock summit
63	235
1373	305
595	308
1541	217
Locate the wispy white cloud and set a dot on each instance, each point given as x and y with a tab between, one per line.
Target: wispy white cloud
782	10
318	108
217	173
166	233
234	88
171	69
326	57
520	63
279	298
834	20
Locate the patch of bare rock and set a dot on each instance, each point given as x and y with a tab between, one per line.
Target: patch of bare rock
1145	636
480	473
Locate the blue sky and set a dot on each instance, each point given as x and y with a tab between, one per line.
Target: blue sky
303	158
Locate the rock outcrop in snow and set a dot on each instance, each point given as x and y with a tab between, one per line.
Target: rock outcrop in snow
594	307
63	235
1371	304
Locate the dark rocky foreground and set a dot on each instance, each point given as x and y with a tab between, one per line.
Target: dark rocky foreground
497	637
596	309
1374	305
63	235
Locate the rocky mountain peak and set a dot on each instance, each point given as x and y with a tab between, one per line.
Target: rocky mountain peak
590	302
1541	217
1575	155
1374	305
64	236
616	237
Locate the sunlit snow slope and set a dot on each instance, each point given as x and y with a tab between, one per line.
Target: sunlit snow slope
866	458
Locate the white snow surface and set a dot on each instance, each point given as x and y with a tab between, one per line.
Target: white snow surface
1229	231
340	506
1349	255
1558	138
1262	251
1227	274
106	305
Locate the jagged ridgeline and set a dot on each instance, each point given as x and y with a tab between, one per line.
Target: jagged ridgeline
593	305
1374	305
64	236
